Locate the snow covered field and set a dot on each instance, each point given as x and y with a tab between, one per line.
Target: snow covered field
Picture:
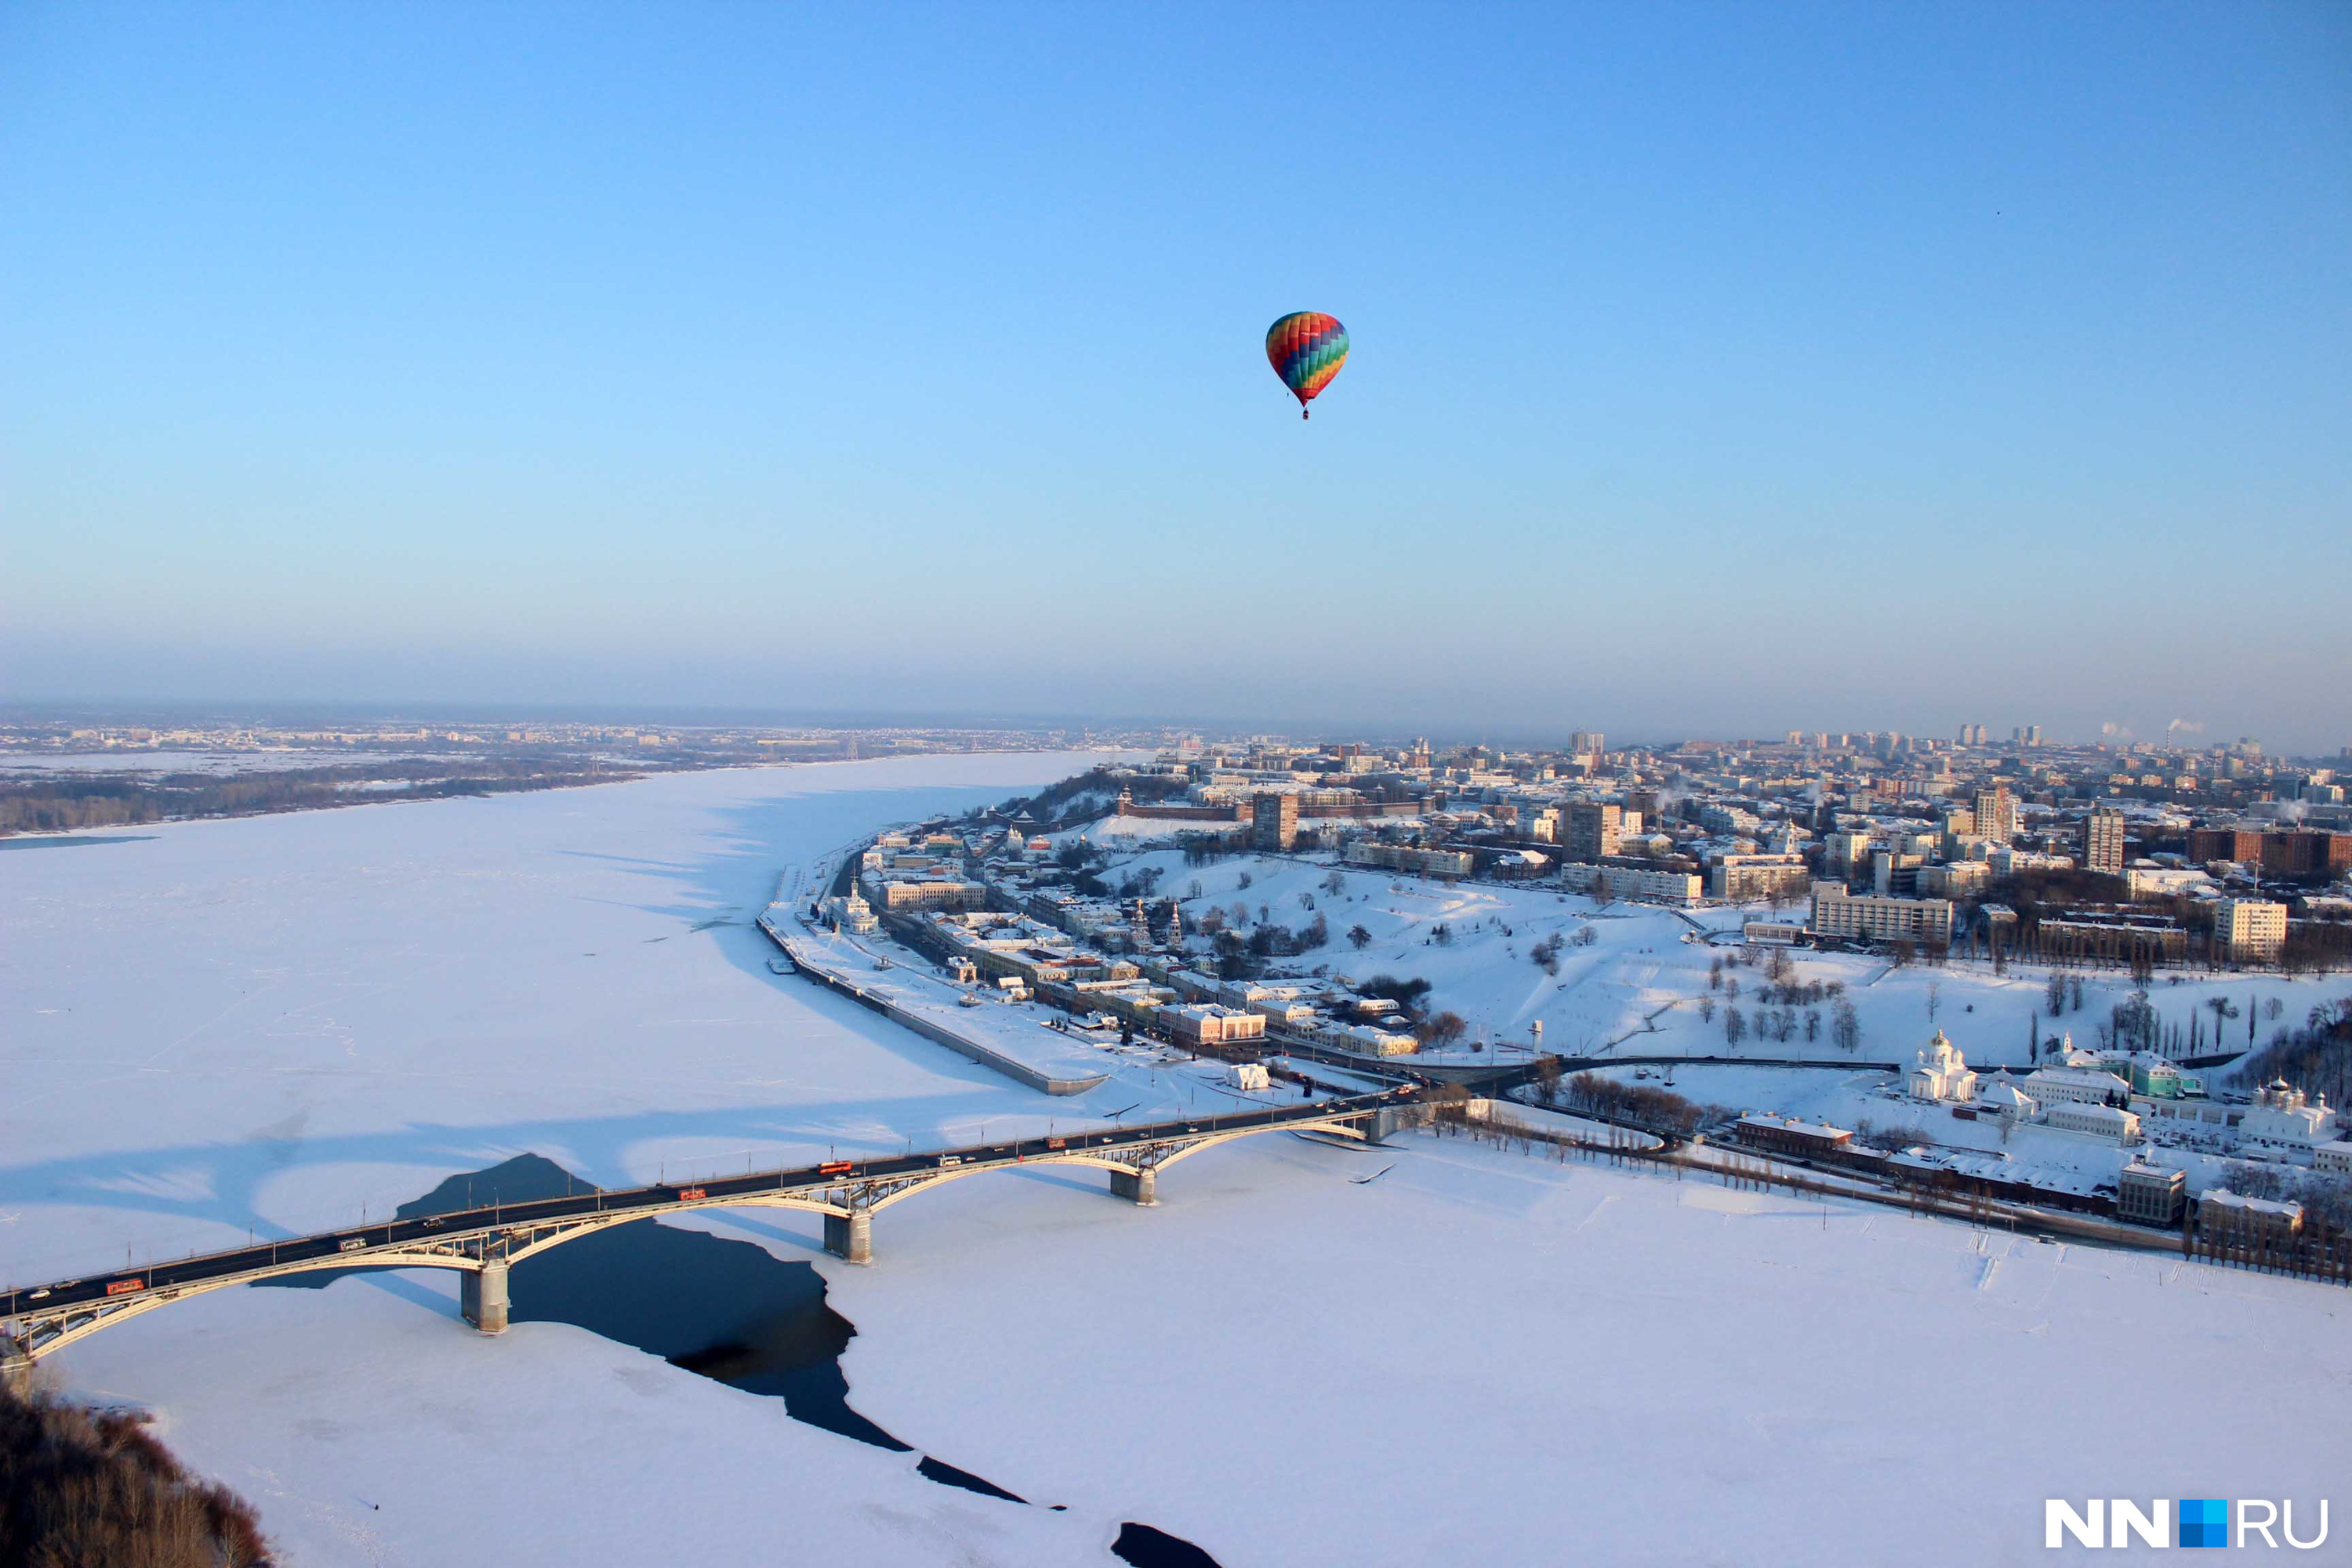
269	1023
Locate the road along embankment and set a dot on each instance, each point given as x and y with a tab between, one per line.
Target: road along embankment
806	959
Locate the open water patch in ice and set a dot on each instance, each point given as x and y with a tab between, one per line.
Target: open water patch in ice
727	1311
1148	1548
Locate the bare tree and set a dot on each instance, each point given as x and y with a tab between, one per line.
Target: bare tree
1359	938
1547	1081
1443	1030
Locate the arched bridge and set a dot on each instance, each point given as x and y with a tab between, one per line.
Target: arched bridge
484	1243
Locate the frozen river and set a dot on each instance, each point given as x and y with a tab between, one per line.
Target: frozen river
273	1024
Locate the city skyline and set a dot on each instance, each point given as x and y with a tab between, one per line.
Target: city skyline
1714	373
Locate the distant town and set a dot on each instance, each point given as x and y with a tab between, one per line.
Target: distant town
1368	910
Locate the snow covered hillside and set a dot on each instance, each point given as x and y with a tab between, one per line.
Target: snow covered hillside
1637	988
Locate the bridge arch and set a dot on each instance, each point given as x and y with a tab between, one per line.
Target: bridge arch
484	1255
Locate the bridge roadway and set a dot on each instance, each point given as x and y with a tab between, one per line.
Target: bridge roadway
484	1241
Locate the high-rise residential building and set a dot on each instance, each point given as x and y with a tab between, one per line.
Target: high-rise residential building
2102	841
1996	814
2249	929
1589	829
1587	743
1274	821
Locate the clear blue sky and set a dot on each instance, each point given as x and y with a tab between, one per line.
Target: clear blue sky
1717	368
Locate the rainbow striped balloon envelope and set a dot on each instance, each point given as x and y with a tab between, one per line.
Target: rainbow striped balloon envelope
1307	349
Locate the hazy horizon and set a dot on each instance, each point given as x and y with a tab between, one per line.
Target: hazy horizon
1444	731
1716	371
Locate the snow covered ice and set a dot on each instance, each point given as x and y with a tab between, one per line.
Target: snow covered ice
272	1024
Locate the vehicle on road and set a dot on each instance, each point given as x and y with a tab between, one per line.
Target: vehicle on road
689	1194
125	1287
835	1167
350	1243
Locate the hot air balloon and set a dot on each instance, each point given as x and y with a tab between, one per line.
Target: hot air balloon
1307	349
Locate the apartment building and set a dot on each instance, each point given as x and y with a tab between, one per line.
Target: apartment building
1591	830
2102	841
1866	917
2249	930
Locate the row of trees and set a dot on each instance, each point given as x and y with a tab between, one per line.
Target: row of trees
1781	1024
1637	1102
2135	1024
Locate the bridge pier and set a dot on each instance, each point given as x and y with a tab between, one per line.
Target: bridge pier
16	1368
1141	1187
482	1297
850	1237
1393	1119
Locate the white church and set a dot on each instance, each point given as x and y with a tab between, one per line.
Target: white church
1940	1073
